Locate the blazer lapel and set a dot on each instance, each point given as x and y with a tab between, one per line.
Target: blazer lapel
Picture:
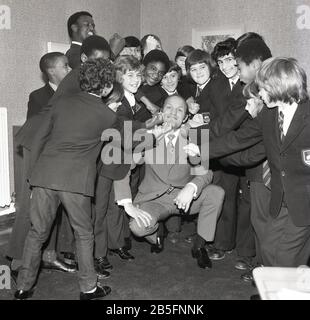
297	124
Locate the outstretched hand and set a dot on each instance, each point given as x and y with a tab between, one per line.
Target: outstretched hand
192	150
139	215
160	131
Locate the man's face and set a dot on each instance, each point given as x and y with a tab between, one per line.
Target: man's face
132	51
228	65
200	73
247	71
174	111
154	73
60	69
84	27
180	61
170	81
132	80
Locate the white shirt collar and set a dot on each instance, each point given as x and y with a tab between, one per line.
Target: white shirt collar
174	140
77	42
95	95
171	93
233	81
53	85
201	87
288	112
130	97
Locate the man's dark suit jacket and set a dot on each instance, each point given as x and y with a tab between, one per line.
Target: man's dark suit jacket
74	56
290	169
39	99
68	143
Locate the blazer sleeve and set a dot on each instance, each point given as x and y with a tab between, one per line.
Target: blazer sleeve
202	178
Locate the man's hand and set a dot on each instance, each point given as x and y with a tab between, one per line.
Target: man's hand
151	44
117	44
185	198
254	106
160	131
192	150
193	107
138	214
156	120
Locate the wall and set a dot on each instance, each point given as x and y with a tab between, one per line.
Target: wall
173	20
33	24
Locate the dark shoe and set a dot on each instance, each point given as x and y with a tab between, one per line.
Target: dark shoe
58	265
23	294
202	257
100	292
103	263
216	254
255	297
102	274
157	247
122	253
247	276
244	263
173	237
127	245
69	258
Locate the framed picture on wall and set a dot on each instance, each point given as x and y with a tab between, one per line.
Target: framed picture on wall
206	39
57	47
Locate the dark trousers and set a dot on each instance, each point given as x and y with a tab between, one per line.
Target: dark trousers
245	238
22	221
260	202
107	218
44	203
284	244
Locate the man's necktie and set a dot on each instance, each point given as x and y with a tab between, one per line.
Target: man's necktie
266	175
198	92
170	149
281	121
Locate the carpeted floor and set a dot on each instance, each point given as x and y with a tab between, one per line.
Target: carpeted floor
170	275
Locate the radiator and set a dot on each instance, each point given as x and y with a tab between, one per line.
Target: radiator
5	196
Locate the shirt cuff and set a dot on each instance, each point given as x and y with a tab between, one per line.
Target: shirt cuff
123	202
195	187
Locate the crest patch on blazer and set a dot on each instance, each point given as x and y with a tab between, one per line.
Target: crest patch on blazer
305	154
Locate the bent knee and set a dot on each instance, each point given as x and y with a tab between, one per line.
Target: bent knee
216	192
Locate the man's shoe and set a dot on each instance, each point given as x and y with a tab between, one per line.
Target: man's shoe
202	257
103	263
127	245
173	237
255	297
247	276
216	254
102	274
23	294
58	265
157	247
69	258
100	292
122	253
244	263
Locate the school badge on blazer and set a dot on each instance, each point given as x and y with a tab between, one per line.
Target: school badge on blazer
306	157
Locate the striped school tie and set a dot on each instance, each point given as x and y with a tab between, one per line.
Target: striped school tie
266	175
281	121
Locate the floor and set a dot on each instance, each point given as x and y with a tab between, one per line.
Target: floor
171	275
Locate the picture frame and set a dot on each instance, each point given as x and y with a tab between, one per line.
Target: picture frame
206	39
57	47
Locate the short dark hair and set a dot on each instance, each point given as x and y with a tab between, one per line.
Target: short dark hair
224	48
93	43
73	20
95	74
174	67
253	49
184	51
157	56
248	36
132	41
199	56
48	60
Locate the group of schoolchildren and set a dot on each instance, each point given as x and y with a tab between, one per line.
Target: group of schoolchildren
75	203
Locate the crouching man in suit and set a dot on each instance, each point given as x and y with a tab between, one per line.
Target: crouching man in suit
173	186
